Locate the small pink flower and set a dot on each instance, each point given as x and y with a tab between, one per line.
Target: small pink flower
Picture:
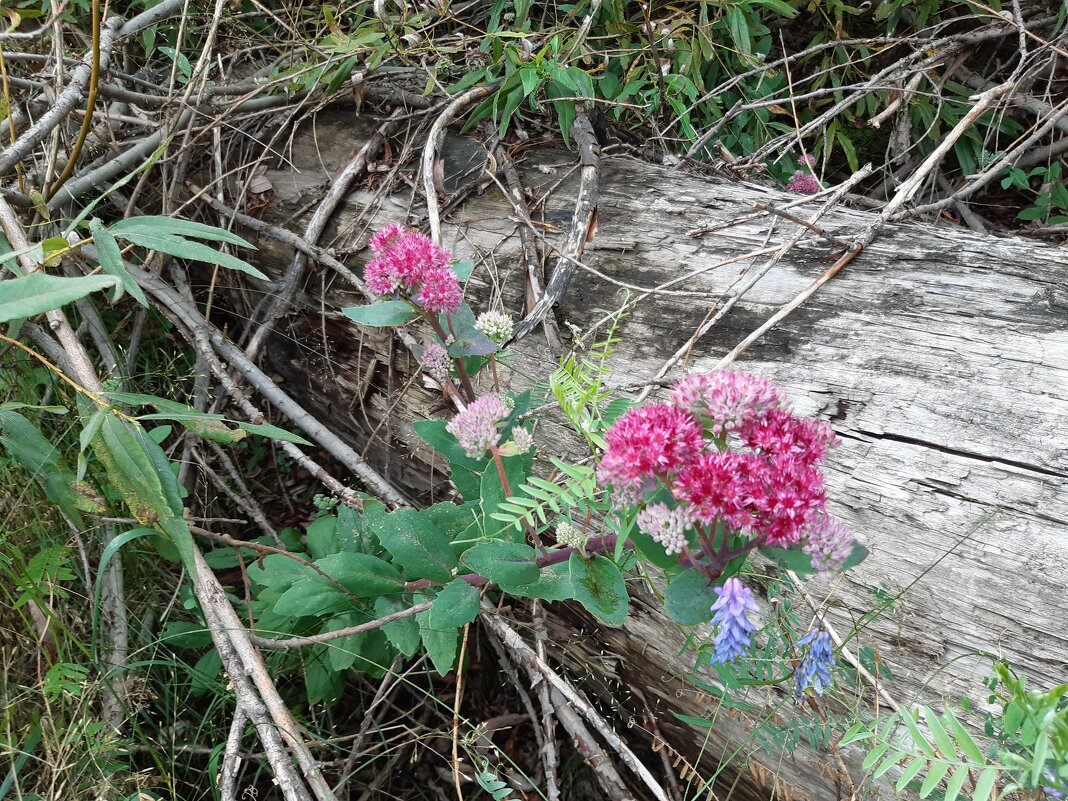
441	291
789	495
381	240
719	485
779	432
808	160
646	442
435	362
728	398
828	542
379	278
803	183
476	427
416	257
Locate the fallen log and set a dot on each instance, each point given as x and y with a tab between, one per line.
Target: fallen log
939	357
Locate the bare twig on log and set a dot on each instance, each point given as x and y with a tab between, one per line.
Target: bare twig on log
339	187
550	756
540	670
531	261
583	225
753	278
433	145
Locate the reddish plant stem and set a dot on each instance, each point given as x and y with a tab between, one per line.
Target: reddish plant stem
461	368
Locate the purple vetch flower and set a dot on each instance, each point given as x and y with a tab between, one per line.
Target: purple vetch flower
1053	792
828	542
733	635
476	427
815	669
666	526
435	361
803	183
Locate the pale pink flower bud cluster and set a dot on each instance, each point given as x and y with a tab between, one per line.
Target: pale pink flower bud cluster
570	535
411	263
435	361
729	399
828	542
477	427
769	488
665	525
522	441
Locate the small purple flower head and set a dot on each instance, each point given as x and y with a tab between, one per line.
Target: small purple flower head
808	160
733	635
815	669
1053	792
441	291
476	427
666	526
803	183
435	361
827	541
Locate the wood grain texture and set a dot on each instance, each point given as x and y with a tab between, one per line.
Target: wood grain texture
940	358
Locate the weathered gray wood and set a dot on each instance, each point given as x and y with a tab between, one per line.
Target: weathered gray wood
940	358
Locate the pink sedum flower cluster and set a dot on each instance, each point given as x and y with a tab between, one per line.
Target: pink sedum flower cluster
478	426
803	183
409	262
729	451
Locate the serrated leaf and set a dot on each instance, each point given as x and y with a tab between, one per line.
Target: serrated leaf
384	313
506	564
441	644
455	606
599	586
403	633
311	597
186	249
554	584
689	598
362	574
416	544
37	293
110	259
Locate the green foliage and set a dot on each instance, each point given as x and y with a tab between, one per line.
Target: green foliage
575	492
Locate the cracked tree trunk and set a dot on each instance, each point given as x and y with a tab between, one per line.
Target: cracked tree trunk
939	357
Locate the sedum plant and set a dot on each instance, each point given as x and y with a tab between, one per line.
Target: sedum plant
691	487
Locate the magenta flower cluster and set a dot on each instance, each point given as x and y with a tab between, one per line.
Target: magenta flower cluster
729	451
410	263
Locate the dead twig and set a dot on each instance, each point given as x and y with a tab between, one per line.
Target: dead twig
582	230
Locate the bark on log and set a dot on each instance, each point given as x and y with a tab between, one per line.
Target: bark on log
939	357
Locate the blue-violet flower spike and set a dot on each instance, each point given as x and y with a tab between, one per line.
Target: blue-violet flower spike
732	637
815	669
